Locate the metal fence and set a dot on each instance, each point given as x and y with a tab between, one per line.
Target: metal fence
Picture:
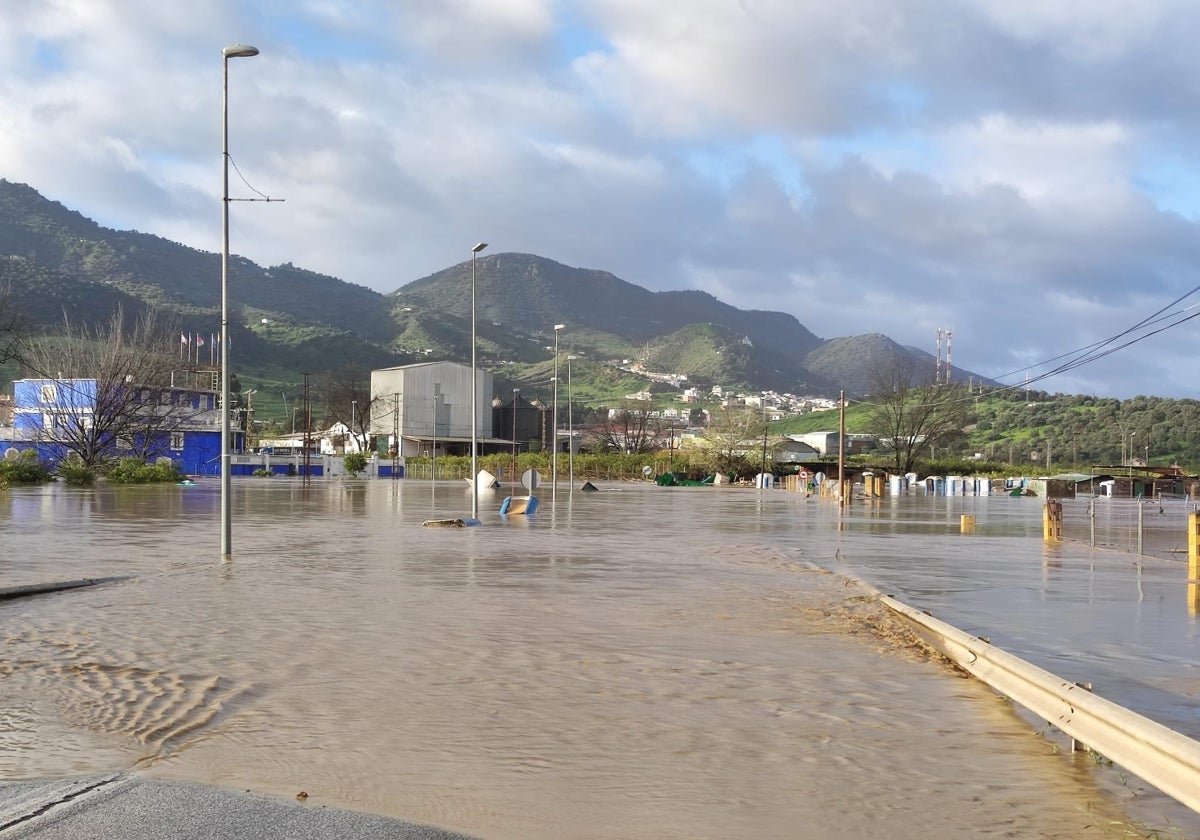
1153	527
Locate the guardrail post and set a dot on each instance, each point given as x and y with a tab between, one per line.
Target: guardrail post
1076	744
1052	521
966	524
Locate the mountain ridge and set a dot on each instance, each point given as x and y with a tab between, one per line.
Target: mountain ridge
57	261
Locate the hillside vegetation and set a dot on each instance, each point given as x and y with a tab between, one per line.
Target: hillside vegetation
1073	431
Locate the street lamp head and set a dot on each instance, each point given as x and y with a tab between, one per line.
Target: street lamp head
239	51
558	327
479	247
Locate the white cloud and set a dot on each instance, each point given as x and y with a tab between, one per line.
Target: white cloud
1084	30
1055	162
866	166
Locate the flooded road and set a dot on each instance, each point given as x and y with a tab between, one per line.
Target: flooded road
641	662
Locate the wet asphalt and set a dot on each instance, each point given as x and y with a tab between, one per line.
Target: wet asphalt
126	806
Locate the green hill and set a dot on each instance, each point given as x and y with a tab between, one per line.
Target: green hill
285	320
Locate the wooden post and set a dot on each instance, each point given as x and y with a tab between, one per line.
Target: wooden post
1194	545
1193	563
1052	521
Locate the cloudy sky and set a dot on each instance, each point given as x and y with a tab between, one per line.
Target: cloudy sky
1022	172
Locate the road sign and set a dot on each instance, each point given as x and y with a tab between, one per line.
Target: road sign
531	480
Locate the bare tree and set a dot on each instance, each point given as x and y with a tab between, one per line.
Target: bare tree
111	389
346	395
12	326
627	430
736	436
912	414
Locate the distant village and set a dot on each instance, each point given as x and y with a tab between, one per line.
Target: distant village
416	410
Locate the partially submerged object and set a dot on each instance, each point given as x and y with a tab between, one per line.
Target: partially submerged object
444	523
485	481
513	505
681	480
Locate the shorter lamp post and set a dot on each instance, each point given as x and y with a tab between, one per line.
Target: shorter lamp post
570	428
554	432
474	396
353	406
516	394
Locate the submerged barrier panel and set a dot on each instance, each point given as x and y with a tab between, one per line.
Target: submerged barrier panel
1163	757
967	524
518	504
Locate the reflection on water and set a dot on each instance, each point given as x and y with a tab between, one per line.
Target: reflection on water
640	662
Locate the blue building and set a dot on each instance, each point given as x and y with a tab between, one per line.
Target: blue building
57	416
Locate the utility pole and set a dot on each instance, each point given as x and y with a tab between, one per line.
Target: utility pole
842	451
307	459
396	436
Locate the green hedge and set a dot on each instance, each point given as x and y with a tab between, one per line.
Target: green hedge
76	474
136	471
25	469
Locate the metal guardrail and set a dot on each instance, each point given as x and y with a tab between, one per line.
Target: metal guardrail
1161	756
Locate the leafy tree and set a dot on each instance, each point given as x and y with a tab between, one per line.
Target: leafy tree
137	401
356	462
912	414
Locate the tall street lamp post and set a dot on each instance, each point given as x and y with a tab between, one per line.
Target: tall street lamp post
570	428
516	394
235	51
474	396
353	406
554	432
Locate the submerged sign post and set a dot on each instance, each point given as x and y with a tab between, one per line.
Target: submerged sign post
531	480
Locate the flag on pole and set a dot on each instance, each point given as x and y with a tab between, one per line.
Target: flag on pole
199	340
183	339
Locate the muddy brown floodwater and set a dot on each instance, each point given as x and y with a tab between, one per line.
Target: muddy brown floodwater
640	662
